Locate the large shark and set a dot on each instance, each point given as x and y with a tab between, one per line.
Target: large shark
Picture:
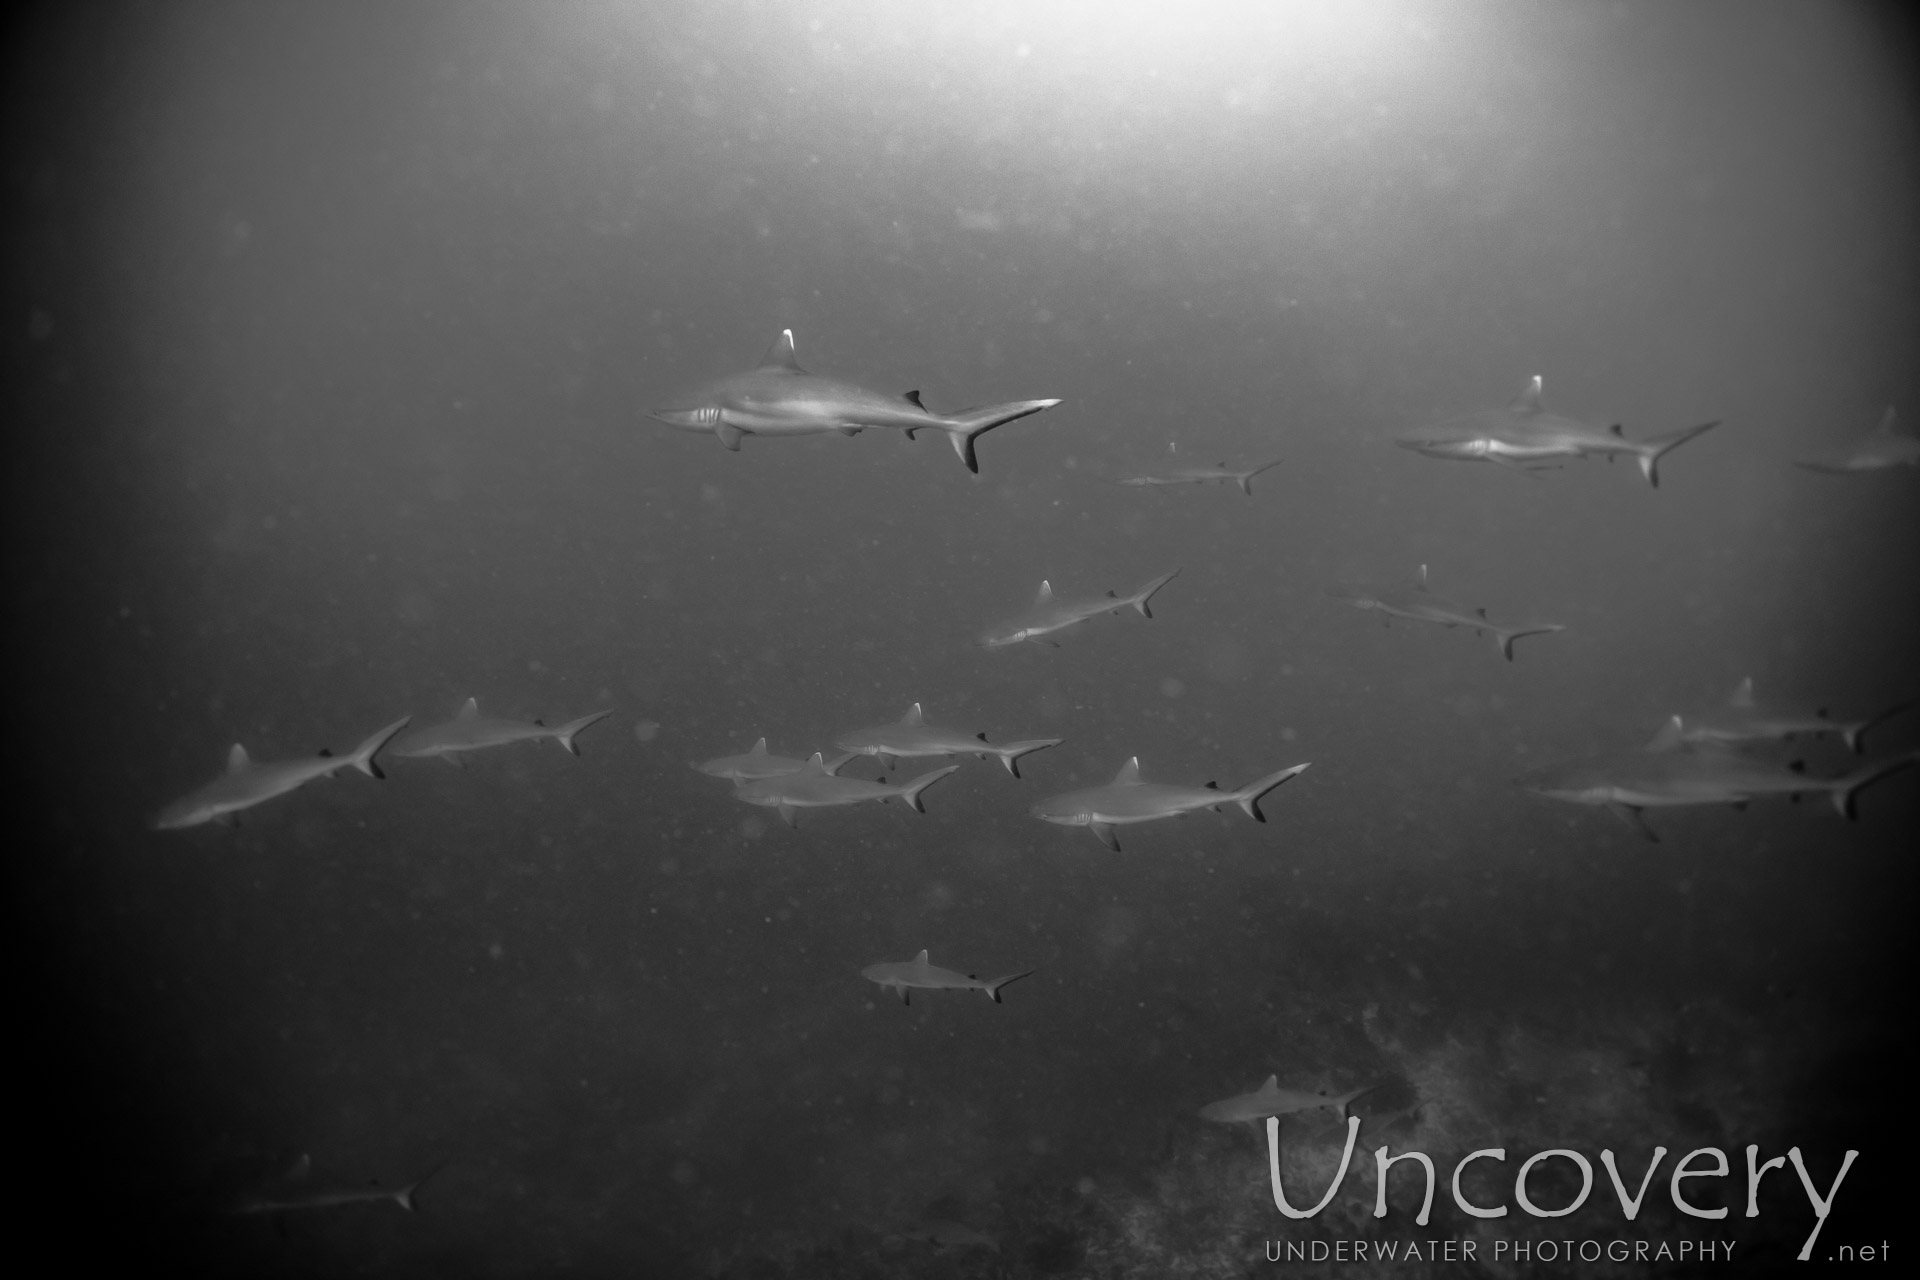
248	782
294	1195
1667	773
779	398
759	763
471	731
1881	449
1527	434
1271	1100
1127	799
911	736
902	976
1420	604
1222	474
815	788
1051	613
1741	721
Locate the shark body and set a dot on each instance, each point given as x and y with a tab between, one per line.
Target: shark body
1526	434
1741	720
248	782
911	736
1127	800
1050	613
1222	474
471	731
942	1234
779	398
1881	449
815	788
294	1197
904	976
1420	604
759	763
1271	1100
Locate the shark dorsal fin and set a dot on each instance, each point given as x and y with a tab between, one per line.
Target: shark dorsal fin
780	354
921	959
1889	424
1618	430
469	710
913	398
1529	401
1129	774
816	763
1671	734
913	719
1742	695
1045	594
300	1168
237	758
759	747
1271	1086
1422	584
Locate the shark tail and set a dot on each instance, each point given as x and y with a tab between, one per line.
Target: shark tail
1249	796
1855	736
1245	478
839	762
1347	1100
566	732
1654	448
964	428
1011	753
1140	598
1505	636
362	756
910	791
1846	789
993	988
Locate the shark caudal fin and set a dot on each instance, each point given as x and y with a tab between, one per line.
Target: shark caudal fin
839	762
1245	478
1140	598
910	791
362	756
1855	736
1846	789
1654	448
993	988
1011	753
1505	636
1248	797
1346	1100
964	428
566	732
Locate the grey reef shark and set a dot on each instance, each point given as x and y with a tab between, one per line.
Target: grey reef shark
1050	614
295	1194
1420	604
905	976
759	763
248	782
1526	435
1668	773
1222	474
779	398
813	787
1881	449
911	736
1127	800
471	731
1742	721
1271	1100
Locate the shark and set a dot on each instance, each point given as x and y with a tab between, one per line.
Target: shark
1526	434
1221	474
248	782
295	1196
1050	613
1271	1100
943	1234
1742	721
1667	773
1127	799
1421	605
471	731
904	976
758	763
779	398
1881	449
912	736
815	788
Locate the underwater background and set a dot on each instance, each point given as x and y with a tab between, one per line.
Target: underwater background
337	328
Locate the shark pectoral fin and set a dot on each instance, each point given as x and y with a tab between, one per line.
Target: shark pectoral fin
729	435
1104	831
790	816
1635	821
453	758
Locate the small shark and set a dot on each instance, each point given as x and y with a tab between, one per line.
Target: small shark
248	782
470	731
905	975
1526	434
1222	474
1271	1100
942	1234
1741	721
757	763
1881	449
913	737
294	1197
1666	773
779	398
1421	605
1127	799
815	788
1050	614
